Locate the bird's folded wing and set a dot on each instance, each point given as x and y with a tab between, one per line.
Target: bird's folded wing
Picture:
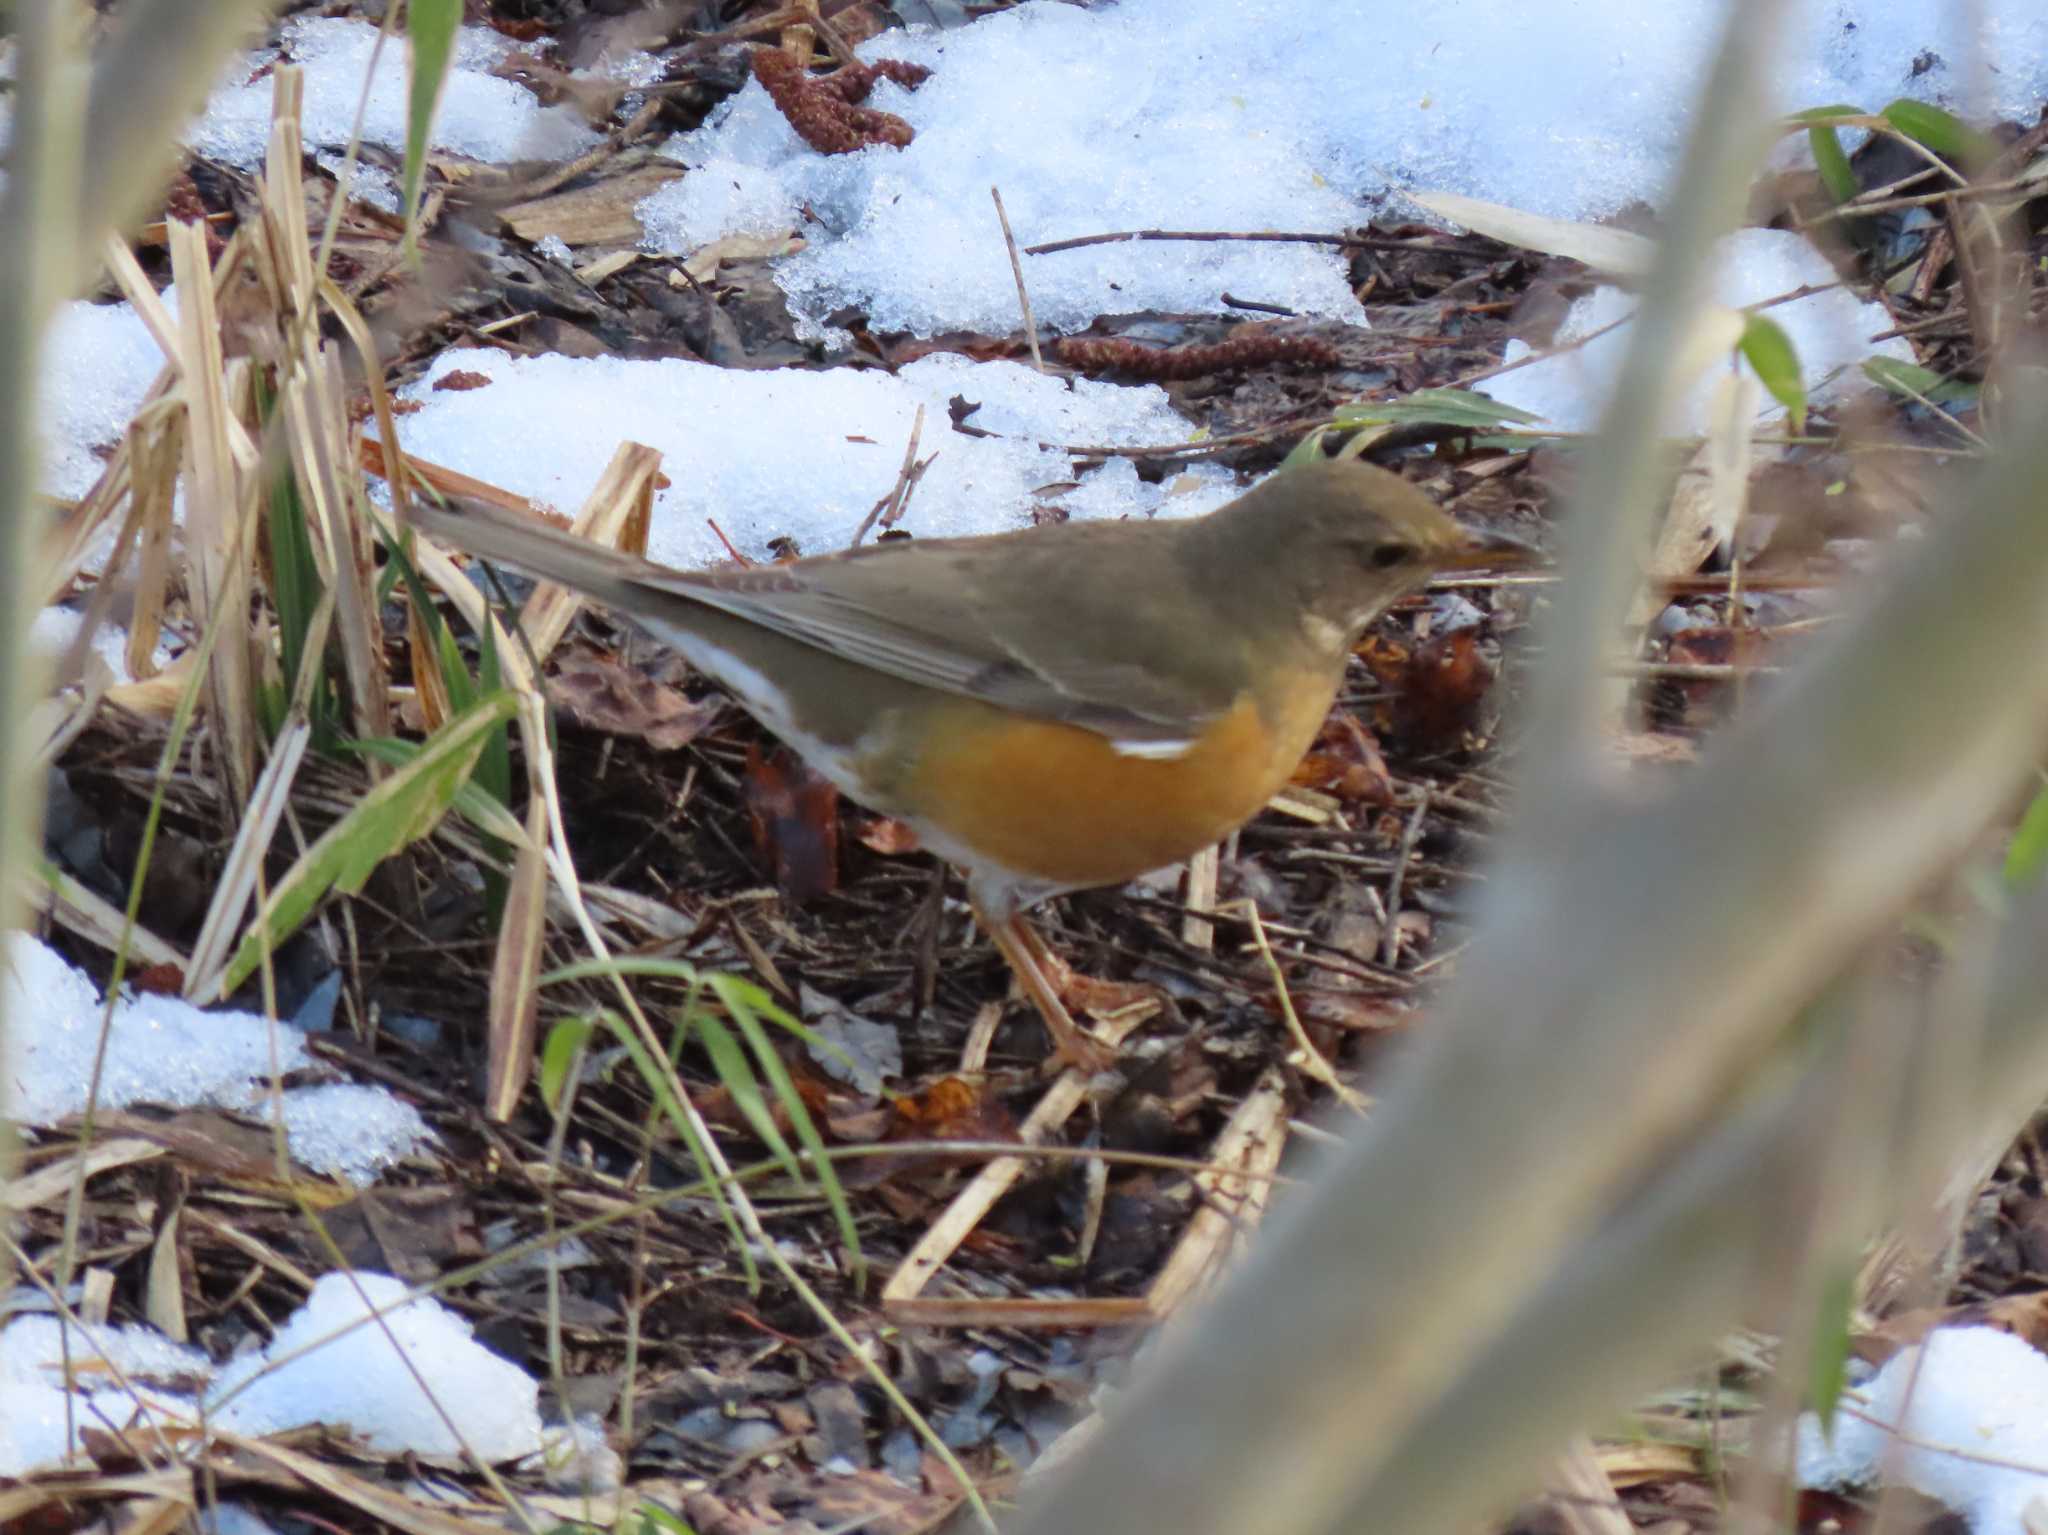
941	637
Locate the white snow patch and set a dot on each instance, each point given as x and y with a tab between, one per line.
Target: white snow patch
98	362
1970	1407
358	1383
1830	330
361	1383
1266	115
481	116
796	452
165	1051
33	1407
54	630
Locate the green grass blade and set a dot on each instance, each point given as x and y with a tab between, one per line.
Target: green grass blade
657	1083
1434	407
1916	382
478	806
1826	143
1307	451
1828	114
747	1004
586	969
1828	1373
1836	174
1770	351
1943	132
563	1041
397	812
430	26
2028	854
729	1061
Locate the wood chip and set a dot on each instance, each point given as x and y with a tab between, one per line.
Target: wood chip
601	214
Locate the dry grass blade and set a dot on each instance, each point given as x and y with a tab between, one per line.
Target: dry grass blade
1599	246
163	1285
66	1490
48	1184
217	505
1234	1193
1707	503
317	431
316	425
91	917
156	444
237	883
287	243
79	533
1584	1497
374	1499
515	963
616	513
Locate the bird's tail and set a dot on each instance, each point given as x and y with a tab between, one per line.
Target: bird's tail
528	544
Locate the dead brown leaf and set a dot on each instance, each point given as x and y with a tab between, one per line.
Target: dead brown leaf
1356	1011
1346	762
889	837
794	813
1438	695
951	1109
1704	700
600	693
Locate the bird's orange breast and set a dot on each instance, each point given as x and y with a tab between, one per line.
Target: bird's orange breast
1061	805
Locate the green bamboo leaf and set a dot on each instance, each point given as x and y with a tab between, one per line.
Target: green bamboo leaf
563	1041
1916	382
1434	407
658	1083
585	969
397	812
1832	161
729	1061
655	1518
1770	351
1307	451
2028	854
747	1004
1828	114
430	26
474	804
1943	132
1829	1375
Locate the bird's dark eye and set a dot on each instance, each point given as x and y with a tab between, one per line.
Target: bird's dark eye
1387	556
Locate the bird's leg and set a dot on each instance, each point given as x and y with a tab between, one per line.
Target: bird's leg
1027	953
1086	993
